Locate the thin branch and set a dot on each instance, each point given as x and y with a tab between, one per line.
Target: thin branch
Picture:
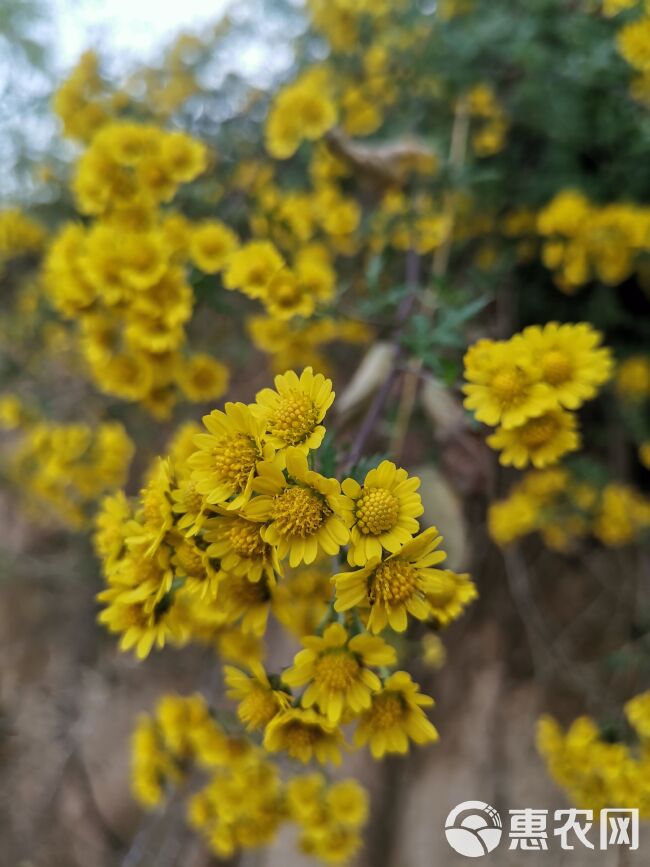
457	153
374	411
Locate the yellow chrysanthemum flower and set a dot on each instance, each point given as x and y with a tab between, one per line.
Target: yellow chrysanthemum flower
453	593
395	717
541	441
512	518
395	587
250	268
182	157
223	467
155	518
211	243
302	514
337	669
295	410
304	734
633	378
569	359
245	602
503	385
140	625
152	765
622	514
302	110
202	377
190	507
111	520
202	575
347	802
237	542
285	296
258	701
386	507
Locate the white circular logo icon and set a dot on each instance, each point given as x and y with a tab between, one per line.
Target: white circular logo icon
473	829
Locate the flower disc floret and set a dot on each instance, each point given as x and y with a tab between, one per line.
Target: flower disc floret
376	512
393	582
299	512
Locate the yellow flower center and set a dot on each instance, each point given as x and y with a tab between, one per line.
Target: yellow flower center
258	707
212	245
234	460
336	670
299	735
245	539
203	377
294	417
538	431
387	711
299	512
146	569
190	561
377	511
135	615
258	275
155	506
192	500
508	385
557	367
393	582
248	594
284	290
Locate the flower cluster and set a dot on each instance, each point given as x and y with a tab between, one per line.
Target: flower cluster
583	241
245	800
122	279
594	772
302	110
529	387
565	509
221	521
236	525
63	469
